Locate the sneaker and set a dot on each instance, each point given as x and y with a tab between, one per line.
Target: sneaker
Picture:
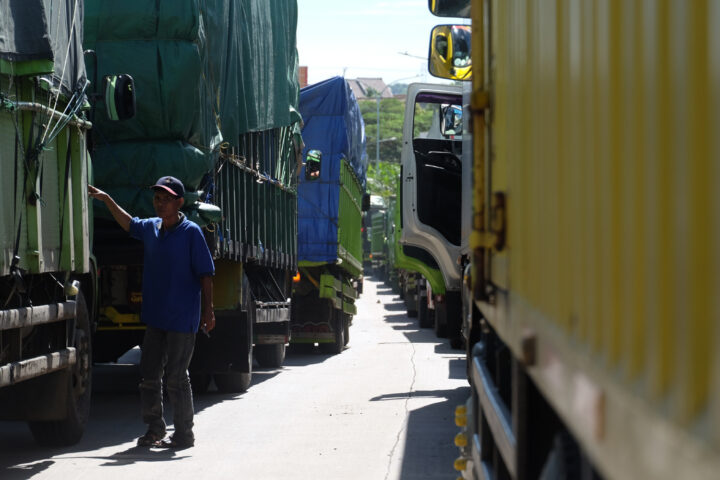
175	442
149	439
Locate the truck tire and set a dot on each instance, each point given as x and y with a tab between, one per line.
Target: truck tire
346	326
238	379
411	302
424	317
336	322
454	319
270	356
232	382
440	323
69	430
200	382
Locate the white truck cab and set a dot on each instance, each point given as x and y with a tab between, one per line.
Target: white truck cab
431	186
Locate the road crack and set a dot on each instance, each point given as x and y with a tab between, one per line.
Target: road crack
407	411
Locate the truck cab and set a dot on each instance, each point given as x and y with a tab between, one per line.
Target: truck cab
432	188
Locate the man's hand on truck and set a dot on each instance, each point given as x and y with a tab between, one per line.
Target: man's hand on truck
121	216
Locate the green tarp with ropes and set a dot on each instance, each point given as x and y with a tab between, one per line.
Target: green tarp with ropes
43	161
205	71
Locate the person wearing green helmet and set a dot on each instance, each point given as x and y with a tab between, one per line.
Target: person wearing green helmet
312	164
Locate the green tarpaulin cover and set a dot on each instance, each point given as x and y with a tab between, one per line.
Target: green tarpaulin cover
205	71
42	37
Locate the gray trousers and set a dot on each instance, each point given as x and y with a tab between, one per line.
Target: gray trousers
169	353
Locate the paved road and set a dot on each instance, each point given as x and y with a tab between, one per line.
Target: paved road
383	409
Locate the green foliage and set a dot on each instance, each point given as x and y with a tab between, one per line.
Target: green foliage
392	112
382	178
382	175
371	92
423	117
399	88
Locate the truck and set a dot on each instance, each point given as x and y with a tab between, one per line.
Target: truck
591	313
390	273
330	208
47	292
378	215
230	134
418	276
431	195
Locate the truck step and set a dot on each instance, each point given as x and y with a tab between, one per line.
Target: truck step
15	372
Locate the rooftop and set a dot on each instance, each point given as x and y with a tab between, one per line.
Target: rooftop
368	88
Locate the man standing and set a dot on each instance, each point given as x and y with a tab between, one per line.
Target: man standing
177	280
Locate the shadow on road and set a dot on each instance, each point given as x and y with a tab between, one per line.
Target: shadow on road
430	432
401	319
303	354
430	435
457	368
115	421
25	472
395	306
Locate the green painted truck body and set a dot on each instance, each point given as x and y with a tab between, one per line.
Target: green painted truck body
330	217
46	269
230	134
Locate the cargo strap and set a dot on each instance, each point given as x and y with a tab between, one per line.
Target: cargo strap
14	270
68	158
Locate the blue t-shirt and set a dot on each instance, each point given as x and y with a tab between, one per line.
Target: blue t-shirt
175	260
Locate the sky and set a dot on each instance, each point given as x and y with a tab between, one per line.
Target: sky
366	38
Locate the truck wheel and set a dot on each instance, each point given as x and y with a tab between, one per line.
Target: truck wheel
69	430
453	319
346	327
440	323
200	382
232	382
338	329
270	356
424	319
238	379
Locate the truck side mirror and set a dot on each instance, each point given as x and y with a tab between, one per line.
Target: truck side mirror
313	162
451	120
366	202
449	8
119	97
449	55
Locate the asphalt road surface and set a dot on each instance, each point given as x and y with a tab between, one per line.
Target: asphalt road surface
382	409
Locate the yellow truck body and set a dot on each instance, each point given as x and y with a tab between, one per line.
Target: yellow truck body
596	227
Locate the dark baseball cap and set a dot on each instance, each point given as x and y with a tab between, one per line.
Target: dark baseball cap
171	184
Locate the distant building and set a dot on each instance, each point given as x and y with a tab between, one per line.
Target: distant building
368	88
303	76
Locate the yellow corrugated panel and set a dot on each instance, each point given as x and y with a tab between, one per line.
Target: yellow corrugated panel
713	211
702	288
606	120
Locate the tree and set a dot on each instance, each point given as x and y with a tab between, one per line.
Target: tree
382	178
382	175
399	88
391	124
372	92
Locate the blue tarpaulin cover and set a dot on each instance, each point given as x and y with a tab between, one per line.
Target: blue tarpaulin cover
333	124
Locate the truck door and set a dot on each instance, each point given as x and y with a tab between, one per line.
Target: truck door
432	174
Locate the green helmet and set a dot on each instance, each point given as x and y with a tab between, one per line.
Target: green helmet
312	164
314	155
